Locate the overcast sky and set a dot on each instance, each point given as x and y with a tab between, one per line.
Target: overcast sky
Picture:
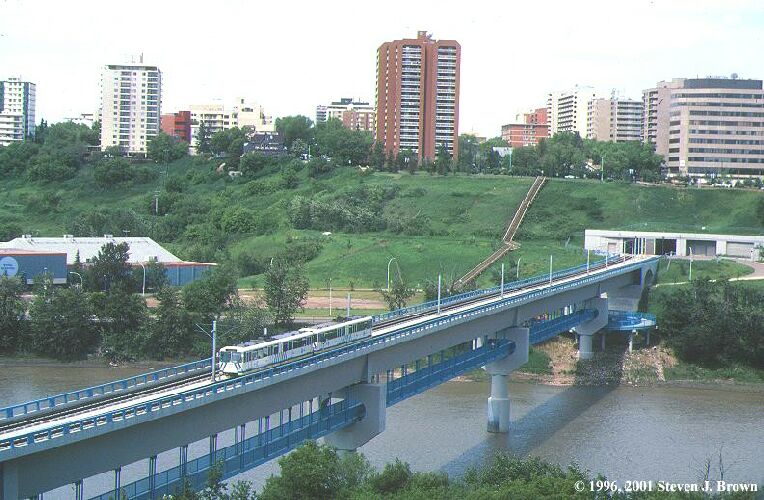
291	56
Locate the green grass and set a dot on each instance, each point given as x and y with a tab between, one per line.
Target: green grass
738	373
466	216
677	270
539	363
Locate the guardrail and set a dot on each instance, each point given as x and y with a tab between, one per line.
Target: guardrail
212	390
508	287
629	320
117	386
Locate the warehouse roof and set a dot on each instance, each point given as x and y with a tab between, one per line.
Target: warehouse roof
142	249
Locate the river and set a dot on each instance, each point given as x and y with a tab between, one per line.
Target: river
626	433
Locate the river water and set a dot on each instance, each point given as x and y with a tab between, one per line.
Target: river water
626	433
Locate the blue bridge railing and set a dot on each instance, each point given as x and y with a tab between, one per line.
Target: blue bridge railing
117	386
242	456
543	330
432	374
508	287
628	320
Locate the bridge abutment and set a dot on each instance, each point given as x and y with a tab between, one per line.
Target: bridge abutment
374	398
498	401
587	330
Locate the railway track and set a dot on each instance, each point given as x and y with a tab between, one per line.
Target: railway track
76	409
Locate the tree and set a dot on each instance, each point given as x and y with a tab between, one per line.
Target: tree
203	144
377	156
286	289
122	323
60	322
443	160
398	294
210	296
112	172
468	152
165	148
171	328
311	472
110	269
292	128
12	310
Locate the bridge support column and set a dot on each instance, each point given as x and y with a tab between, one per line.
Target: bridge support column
374	399
9	481
183	460
213	448
152	476
647	338
602	340
631	340
498	401
79	491
586	330
117	482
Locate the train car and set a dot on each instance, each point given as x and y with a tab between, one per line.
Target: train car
235	360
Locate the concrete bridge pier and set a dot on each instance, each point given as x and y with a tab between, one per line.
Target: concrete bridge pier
498	401
587	330
9	481
374	398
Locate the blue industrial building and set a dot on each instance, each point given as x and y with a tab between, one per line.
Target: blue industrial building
28	265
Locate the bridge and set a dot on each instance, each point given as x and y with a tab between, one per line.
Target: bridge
340	394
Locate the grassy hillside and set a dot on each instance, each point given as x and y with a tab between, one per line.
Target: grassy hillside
431	224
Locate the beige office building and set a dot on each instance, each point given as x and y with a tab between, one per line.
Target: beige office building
131	97
568	111
217	118
711	126
614	120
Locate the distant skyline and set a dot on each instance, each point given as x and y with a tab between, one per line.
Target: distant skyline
292	56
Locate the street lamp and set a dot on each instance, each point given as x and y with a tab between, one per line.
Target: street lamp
518	267
213	336
143	291
602	169
388	272
79	276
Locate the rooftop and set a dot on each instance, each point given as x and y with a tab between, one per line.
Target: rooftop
142	249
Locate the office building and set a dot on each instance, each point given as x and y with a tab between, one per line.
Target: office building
178	125
710	126
527	130
354	114
614	120
568	110
17	110
131	98
418	95
251	114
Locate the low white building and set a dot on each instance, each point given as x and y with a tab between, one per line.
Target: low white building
664	243
142	249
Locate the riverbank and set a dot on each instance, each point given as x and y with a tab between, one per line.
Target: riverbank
93	362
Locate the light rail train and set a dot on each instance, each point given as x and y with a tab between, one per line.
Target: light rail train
238	359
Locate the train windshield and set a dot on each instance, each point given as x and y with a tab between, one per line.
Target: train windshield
229	356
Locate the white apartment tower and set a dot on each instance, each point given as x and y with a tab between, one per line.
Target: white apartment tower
131	98
568	111
17	110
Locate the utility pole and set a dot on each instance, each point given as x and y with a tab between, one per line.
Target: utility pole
502	280
438	293
550	269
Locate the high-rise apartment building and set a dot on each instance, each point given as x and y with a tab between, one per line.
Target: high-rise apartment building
217	118
177	125
655	118
131	98
614	120
418	95
714	125
568	111
527	130
354	114
17	110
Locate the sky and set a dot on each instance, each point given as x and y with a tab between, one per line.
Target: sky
291	56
